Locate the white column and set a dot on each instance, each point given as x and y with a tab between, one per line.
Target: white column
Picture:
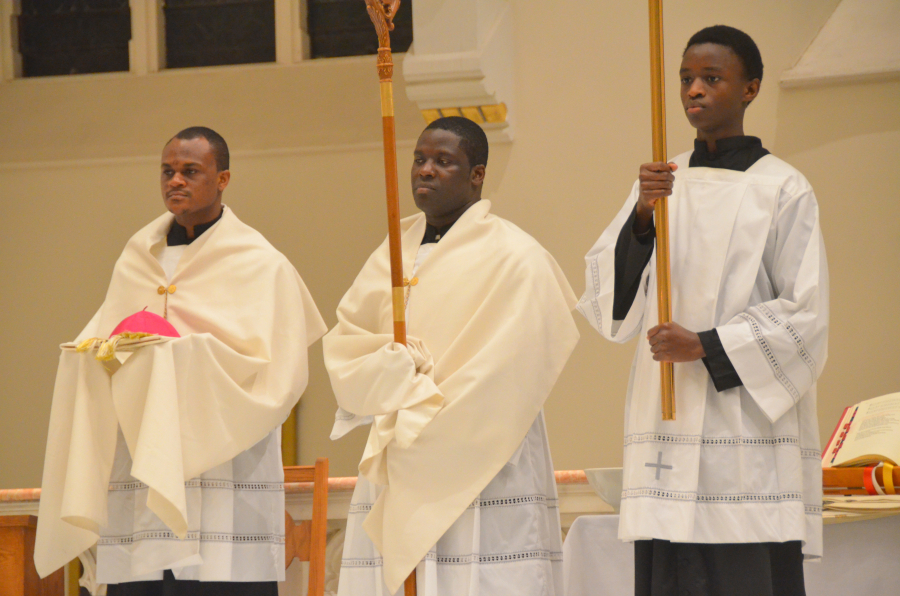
291	38
462	62
11	67
147	49
302	48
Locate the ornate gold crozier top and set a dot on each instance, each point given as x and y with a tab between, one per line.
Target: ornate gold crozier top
382	15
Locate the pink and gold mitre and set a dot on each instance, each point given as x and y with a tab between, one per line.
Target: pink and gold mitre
137	326
146	324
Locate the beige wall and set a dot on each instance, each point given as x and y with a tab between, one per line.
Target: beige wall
78	175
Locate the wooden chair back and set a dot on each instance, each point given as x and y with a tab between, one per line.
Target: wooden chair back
305	540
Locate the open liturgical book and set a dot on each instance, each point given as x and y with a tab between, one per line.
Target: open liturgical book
867	434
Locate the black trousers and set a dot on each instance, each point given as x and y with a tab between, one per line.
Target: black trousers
663	568
169	586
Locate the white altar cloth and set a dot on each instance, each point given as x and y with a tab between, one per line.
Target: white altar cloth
860	558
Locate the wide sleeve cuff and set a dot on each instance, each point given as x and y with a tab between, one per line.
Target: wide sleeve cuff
717	362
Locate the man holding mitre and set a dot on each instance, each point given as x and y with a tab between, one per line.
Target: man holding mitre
456	480
170	453
725	499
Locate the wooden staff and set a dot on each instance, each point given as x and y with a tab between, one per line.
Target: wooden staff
661	211
382	15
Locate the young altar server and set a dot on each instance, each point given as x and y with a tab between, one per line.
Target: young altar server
456	480
184	434
726	499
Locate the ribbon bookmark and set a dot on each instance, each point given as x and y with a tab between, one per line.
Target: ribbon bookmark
875	481
869	480
887	477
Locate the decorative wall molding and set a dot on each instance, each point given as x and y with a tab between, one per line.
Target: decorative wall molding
154	159
462	62
859	42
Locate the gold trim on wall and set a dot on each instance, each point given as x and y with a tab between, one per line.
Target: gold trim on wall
473	113
431	115
492	114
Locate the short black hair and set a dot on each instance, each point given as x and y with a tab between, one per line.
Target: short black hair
472	139
739	42
216	143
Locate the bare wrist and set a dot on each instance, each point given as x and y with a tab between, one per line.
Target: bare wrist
698	347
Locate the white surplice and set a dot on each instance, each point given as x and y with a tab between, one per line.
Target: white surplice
235	514
508	541
489	332
741	465
175	458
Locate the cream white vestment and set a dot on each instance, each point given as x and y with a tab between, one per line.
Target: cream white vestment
490	330
209	402
507	541
741	465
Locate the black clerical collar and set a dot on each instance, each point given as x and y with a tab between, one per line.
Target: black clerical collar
177	235
433	234
733	153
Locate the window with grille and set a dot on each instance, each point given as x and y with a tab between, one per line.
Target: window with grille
60	37
343	28
217	32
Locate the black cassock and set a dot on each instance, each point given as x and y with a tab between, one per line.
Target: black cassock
169	586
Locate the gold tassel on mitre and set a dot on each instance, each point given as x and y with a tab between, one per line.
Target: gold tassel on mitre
89	344
107	349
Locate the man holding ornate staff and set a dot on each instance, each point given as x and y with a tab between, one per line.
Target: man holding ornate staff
456	480
725	499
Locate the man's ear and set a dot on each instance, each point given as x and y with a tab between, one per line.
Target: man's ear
477	175
751	90
223	177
